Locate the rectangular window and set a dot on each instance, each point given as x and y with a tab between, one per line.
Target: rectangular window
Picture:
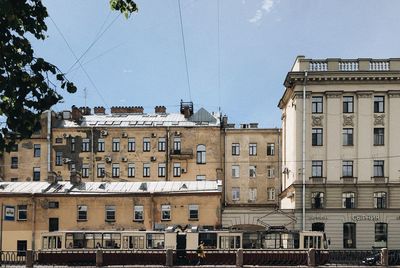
161	144
36	150
379	136
235	171
270	172
235	149
177	145
271	194
252	194
347	168
146	170
317	200
85	145
165	212
14	162
101	170
110	213
59	158
348	137
131	170
82	213
201	154
101	145
73	143
200	177
381	235
22	247
177	169
131	145
193	212
348	102
317	104
138	213
235	193
348	200
22	212
115	144
85	171
252	171
14	148
53	224
379	104
317	137
349	235
271	149
36	174
380	200
146	145
161	170
54	204
379	168
253	149
115	170
316	168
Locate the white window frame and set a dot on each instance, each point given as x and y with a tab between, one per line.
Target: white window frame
235	193
115	170
138	210
131	170
146	169
146	145
116	142
101	170
101	145
252	171
253	149
177	170
111	209
85	145
161	169
162	143
270	149
165	212
81	208
85	170
193	208
252	194
271	194
235	171
131	144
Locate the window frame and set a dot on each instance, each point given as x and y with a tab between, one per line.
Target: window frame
177	170
317	104
110	213
195	209
317	165
252	149
270	149
14	164
271	194
101	144
348	200
252	171
22	210
166	212
317	196
380	200
349	234
146	170
235	149
379	136
235	193
348	104
36	174
82	213
36	150
131	144
317	136
161	169
379	168
379	104
162	144
85	145
115	170
347	168
348	136
146	145
85	170
201	154
101	170
138	210
131	170
116	144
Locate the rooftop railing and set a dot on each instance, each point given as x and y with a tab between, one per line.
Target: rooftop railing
349	65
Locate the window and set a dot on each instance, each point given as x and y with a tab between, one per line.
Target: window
85	171
348	102
317	107
252	194
193	212
14	162
54	204
201	154
53	224
161	170
22	212
131	170
347	168
316	168
200	177
36	174
131	145
59	160
349	235
165	212
36	150
270	193
378	168
348	200
100	145
271	149
318	226
379	136
270	172
235	193
110	213
317	200
348	137
177	145
101	170
156	241
235	149
82	213
14	147
21	247
73	143
85	145
381	234
380	200
115	170
146	145
252	171
235	171
317	137
146	170
379	104
161	144
138	213
177	169
115	144
253	149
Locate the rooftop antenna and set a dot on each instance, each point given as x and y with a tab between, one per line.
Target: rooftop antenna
85	94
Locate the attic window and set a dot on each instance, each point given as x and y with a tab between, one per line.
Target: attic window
3	186
143	186
102	186
183	187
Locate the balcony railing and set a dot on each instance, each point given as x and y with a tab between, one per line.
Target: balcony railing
349	65
380	179
181	154
318	180
318	66
379	65
349	180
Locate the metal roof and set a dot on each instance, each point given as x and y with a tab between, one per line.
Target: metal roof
65	187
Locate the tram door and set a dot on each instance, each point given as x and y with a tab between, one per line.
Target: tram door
181	248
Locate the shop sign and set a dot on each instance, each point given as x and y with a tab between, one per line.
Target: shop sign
9	213
318	218
365	217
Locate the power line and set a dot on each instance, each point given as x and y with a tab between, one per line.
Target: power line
184	49
219	55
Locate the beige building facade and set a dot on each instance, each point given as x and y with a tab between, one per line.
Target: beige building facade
348	127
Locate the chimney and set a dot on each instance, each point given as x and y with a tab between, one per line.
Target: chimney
99	110
160	109
75	178
76	113
137	109
186	108
253	125
224	121
85	110
186	111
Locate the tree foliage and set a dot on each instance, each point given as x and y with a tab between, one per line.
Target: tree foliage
29	84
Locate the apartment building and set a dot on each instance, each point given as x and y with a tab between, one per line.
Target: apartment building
340	155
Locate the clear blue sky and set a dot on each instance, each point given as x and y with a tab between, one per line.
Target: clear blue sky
140	61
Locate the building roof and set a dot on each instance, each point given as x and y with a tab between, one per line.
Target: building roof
65	187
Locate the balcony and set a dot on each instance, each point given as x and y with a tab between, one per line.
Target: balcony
380	179
349	180
181	154
317	180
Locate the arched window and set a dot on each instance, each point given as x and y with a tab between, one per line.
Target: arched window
349	235
201	154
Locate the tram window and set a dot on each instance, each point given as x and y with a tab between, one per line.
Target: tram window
78	240
51	242
272	240
227	242
155	241
209	240
111	240
69	241
98	240
44	242
89	241
250	240
134	242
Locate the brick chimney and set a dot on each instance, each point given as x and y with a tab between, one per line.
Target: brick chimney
76	113
137	109
99	110
186	111
160	109
85	110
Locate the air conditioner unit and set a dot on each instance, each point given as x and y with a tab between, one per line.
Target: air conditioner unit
104	133
177	133
153	135
124	159
153	158
124	135
66	160
183	170
108	159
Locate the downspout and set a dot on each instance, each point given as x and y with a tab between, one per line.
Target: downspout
225	164
33	221
152	211
279	161
1	228
48	142
92	154
167	155
304	152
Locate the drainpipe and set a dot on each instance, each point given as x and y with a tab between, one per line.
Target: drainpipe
92	154
304	153
1	228
48	142
167	154
33	221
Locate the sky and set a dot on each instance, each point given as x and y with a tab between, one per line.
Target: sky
238	52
